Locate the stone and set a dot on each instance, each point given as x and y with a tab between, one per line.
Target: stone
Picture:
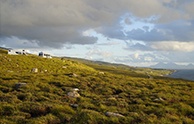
35	70
74	105
74	75
64	67
73	94
75	89
158	99
112	114
101	72
19	85
9	71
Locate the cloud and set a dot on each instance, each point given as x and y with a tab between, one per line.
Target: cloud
55	23
137	46
18	43
49	22
178	30
139	58
173	46
181	57
97	52
112	31
110	43
136	55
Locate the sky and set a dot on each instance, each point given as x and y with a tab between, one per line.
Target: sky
131	32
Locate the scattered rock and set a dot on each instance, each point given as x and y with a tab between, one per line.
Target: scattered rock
74	105
113	114
150	77
35	70
72	75
64	67
101	72
75	89
158	99
73	94
19	85
9	71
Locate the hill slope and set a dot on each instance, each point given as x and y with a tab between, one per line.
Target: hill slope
107	94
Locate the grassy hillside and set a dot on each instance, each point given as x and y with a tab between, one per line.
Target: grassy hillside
109	94
123	69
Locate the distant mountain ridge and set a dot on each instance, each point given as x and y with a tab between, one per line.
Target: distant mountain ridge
171	65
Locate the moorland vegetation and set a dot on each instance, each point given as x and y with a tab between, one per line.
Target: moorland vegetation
105	93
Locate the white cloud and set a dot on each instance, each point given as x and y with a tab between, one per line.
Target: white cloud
98	52
136	55
148	59
173	46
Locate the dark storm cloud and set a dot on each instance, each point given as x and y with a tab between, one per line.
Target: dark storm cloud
48	22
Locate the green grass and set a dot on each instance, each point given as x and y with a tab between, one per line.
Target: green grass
121	89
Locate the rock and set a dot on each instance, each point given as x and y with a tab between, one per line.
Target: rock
9	71
101	72
64	67
74	75
74	105
75	89
73	94
161	99
19	85
35	70
150	77
158	99
113	114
